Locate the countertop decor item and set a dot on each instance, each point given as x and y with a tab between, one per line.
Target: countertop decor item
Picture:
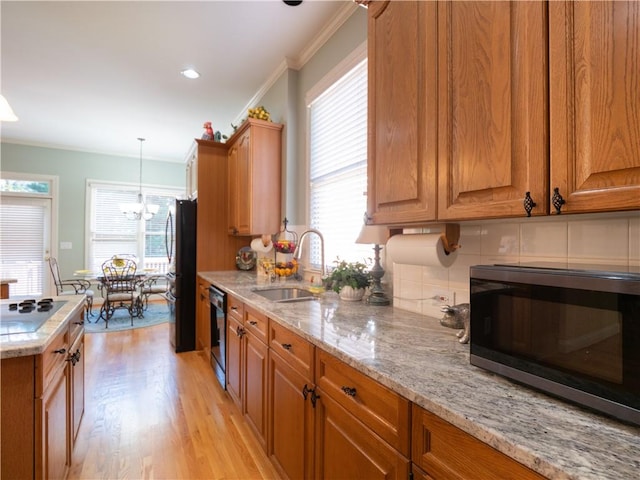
347	274
457	316
376	235
246	259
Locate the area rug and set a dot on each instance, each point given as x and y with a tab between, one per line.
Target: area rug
156	314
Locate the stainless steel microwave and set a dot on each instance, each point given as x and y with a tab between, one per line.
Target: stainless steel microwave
571	332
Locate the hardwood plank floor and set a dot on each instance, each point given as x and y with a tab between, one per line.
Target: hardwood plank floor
151	413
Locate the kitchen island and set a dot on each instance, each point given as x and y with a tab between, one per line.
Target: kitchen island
42	385
419	359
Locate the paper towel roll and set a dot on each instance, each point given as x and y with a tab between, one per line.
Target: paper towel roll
419	249
258	245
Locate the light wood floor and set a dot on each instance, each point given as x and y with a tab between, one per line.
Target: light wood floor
152	413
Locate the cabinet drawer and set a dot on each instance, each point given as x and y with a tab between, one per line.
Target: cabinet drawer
235	308
257	323
444	451
382	410
51	360
294	349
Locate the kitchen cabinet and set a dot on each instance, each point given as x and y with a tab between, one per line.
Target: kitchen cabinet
292	400
203	316
42	406
492	114
443	451
402	142
483	103
235	348
594	57
254	178
247	353
215	250
362	427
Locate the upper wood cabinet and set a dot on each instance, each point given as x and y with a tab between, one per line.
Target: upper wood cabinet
594	61
215	250
254	178
492	91
474	104
402	143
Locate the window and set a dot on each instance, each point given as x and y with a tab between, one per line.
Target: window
338	166
111	233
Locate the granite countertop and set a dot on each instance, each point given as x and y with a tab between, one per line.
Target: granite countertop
34	343
423	361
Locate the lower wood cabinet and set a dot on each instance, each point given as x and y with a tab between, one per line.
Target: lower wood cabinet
291	419
247	354
203	316
346	448
42	406
443	451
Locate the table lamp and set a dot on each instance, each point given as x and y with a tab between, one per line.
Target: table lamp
376	235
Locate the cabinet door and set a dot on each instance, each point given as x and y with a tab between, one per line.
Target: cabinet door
239	185
345	448
77	387
402	112
234	359
255	391
595	104
52	451
492	89
291	414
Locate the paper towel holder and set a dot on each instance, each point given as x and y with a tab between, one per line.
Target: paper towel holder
450	237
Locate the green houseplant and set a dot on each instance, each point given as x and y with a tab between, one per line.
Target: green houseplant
348	279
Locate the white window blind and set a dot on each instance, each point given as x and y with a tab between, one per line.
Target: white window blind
338	168
111	233
24	242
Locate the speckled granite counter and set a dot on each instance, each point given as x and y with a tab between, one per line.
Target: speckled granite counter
423	361
34	343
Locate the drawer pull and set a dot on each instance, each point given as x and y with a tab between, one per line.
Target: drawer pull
253	322
78	323
286	346
351	391
60	350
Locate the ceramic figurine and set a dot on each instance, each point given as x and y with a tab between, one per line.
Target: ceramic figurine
208	131
457	316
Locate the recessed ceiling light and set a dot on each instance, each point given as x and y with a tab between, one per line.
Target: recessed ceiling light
190	73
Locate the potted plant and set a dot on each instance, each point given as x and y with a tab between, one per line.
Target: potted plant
348	279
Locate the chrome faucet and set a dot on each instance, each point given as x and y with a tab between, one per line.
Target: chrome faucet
298	251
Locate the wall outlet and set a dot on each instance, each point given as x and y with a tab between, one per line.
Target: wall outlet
442	297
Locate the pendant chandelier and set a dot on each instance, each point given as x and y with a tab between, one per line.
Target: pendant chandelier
139	210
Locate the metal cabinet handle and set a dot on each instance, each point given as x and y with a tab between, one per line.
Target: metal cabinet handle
528	203
240	331
351	391
557	201
253	322
61	350
286	346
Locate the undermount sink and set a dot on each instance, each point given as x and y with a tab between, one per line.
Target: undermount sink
285	294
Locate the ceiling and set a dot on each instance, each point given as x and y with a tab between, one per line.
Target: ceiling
94	76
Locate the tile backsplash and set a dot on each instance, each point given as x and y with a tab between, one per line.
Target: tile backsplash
611	238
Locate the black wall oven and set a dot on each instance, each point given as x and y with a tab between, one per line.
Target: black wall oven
571	332
218	301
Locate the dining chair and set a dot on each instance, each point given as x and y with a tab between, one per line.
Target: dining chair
119	288
77	286
153	285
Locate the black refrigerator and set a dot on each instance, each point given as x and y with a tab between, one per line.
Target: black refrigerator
183	319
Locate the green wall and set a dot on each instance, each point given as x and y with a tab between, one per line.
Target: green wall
73	168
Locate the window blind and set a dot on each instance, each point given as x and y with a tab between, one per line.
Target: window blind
111	233
338	168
